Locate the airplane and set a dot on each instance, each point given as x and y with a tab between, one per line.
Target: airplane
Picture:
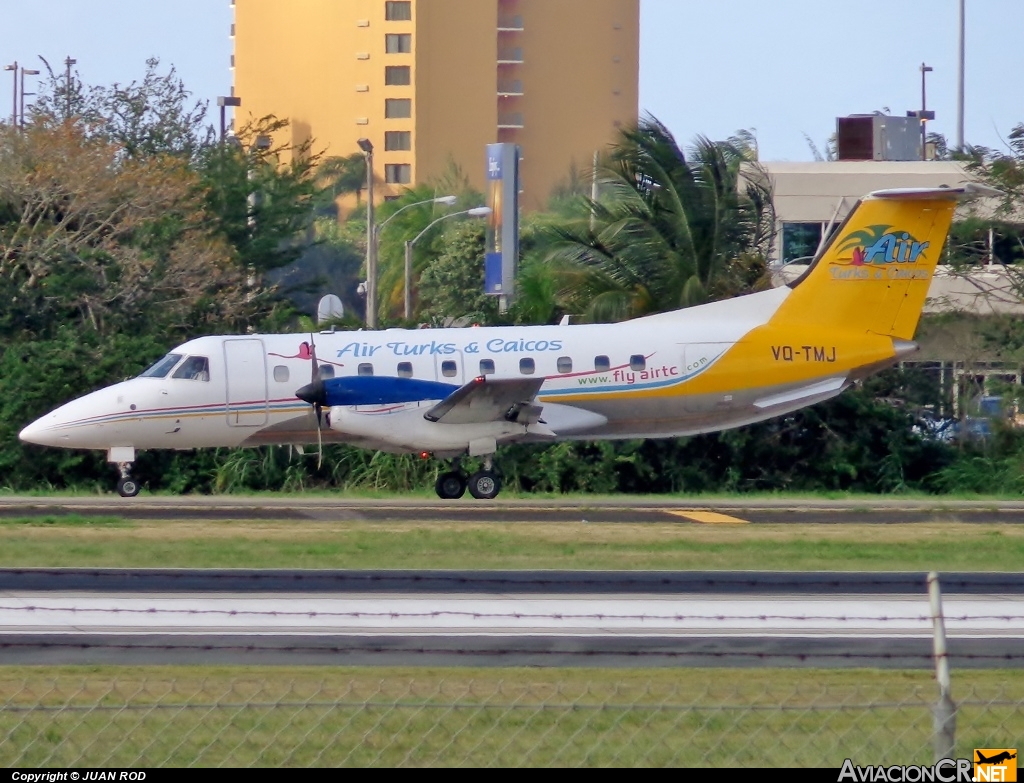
453	392
996	759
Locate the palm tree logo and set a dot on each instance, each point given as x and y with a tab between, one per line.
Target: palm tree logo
857	241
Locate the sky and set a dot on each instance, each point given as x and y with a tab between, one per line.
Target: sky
783	68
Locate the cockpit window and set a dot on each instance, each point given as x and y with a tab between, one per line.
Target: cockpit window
194	368
162	367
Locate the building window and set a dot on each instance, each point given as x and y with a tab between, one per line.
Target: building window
800	240
398	11
365	369
601	364
637	362
398	108
526	366
400	43
565	364
398	173
405	369
281	374
397	141
449	368
487	366
397	75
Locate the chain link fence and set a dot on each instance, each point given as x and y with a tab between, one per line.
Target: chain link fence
287	716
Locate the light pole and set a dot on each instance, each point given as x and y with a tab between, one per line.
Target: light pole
224	101
25	72
409	243
371	251
14	104
925	69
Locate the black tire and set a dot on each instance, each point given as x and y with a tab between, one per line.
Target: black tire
450	485
128	487
484	485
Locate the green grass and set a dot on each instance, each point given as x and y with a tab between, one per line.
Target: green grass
64	520
300	716
921	546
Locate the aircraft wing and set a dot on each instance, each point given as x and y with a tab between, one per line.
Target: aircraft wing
482	400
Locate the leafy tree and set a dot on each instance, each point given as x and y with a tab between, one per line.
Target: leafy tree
668	230
452	285
154	116
92	237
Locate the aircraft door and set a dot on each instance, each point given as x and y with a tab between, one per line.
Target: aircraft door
245	379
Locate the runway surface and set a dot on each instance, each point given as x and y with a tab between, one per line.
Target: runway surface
621	509
792	622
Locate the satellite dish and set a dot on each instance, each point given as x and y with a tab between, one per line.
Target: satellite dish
329	309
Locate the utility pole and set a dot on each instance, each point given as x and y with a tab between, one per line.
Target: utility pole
68	62
14	104
960	83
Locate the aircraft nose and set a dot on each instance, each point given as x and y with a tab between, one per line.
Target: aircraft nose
40	432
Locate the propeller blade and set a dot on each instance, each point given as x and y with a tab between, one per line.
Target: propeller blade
315	393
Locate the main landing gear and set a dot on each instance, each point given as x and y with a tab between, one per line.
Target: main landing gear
483	485
127	487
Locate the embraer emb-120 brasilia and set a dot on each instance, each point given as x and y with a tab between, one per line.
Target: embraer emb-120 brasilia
456	392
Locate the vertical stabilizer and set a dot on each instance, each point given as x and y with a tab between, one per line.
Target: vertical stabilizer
875	272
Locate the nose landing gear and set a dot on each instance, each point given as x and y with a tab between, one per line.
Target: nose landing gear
124	458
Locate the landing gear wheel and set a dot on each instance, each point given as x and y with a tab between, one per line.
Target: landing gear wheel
450	485
484	485
127	487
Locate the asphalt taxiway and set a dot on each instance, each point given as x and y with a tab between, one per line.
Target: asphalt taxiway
526	618
622	509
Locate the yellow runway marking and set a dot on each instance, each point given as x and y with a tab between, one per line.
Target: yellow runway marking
710	518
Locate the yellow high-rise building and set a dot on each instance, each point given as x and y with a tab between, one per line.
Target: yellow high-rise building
431	82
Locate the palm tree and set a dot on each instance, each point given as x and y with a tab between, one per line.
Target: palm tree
666	232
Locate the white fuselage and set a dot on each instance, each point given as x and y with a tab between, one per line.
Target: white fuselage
600	381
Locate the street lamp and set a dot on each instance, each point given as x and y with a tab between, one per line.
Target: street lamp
923	115
371	251
409	243
14	104
25	72
223	101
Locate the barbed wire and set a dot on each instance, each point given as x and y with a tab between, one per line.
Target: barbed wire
509	615
505	650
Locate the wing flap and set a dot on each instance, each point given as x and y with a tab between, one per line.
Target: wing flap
482	400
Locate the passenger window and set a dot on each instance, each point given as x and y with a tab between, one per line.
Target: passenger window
637	362
326	371
365	369
526	366
405	369
449	368
160	368
194	368
281	374
487	366
564	364
601	364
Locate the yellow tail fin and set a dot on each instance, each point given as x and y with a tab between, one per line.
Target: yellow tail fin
875	272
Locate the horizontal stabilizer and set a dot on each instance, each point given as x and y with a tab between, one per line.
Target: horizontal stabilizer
482	400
